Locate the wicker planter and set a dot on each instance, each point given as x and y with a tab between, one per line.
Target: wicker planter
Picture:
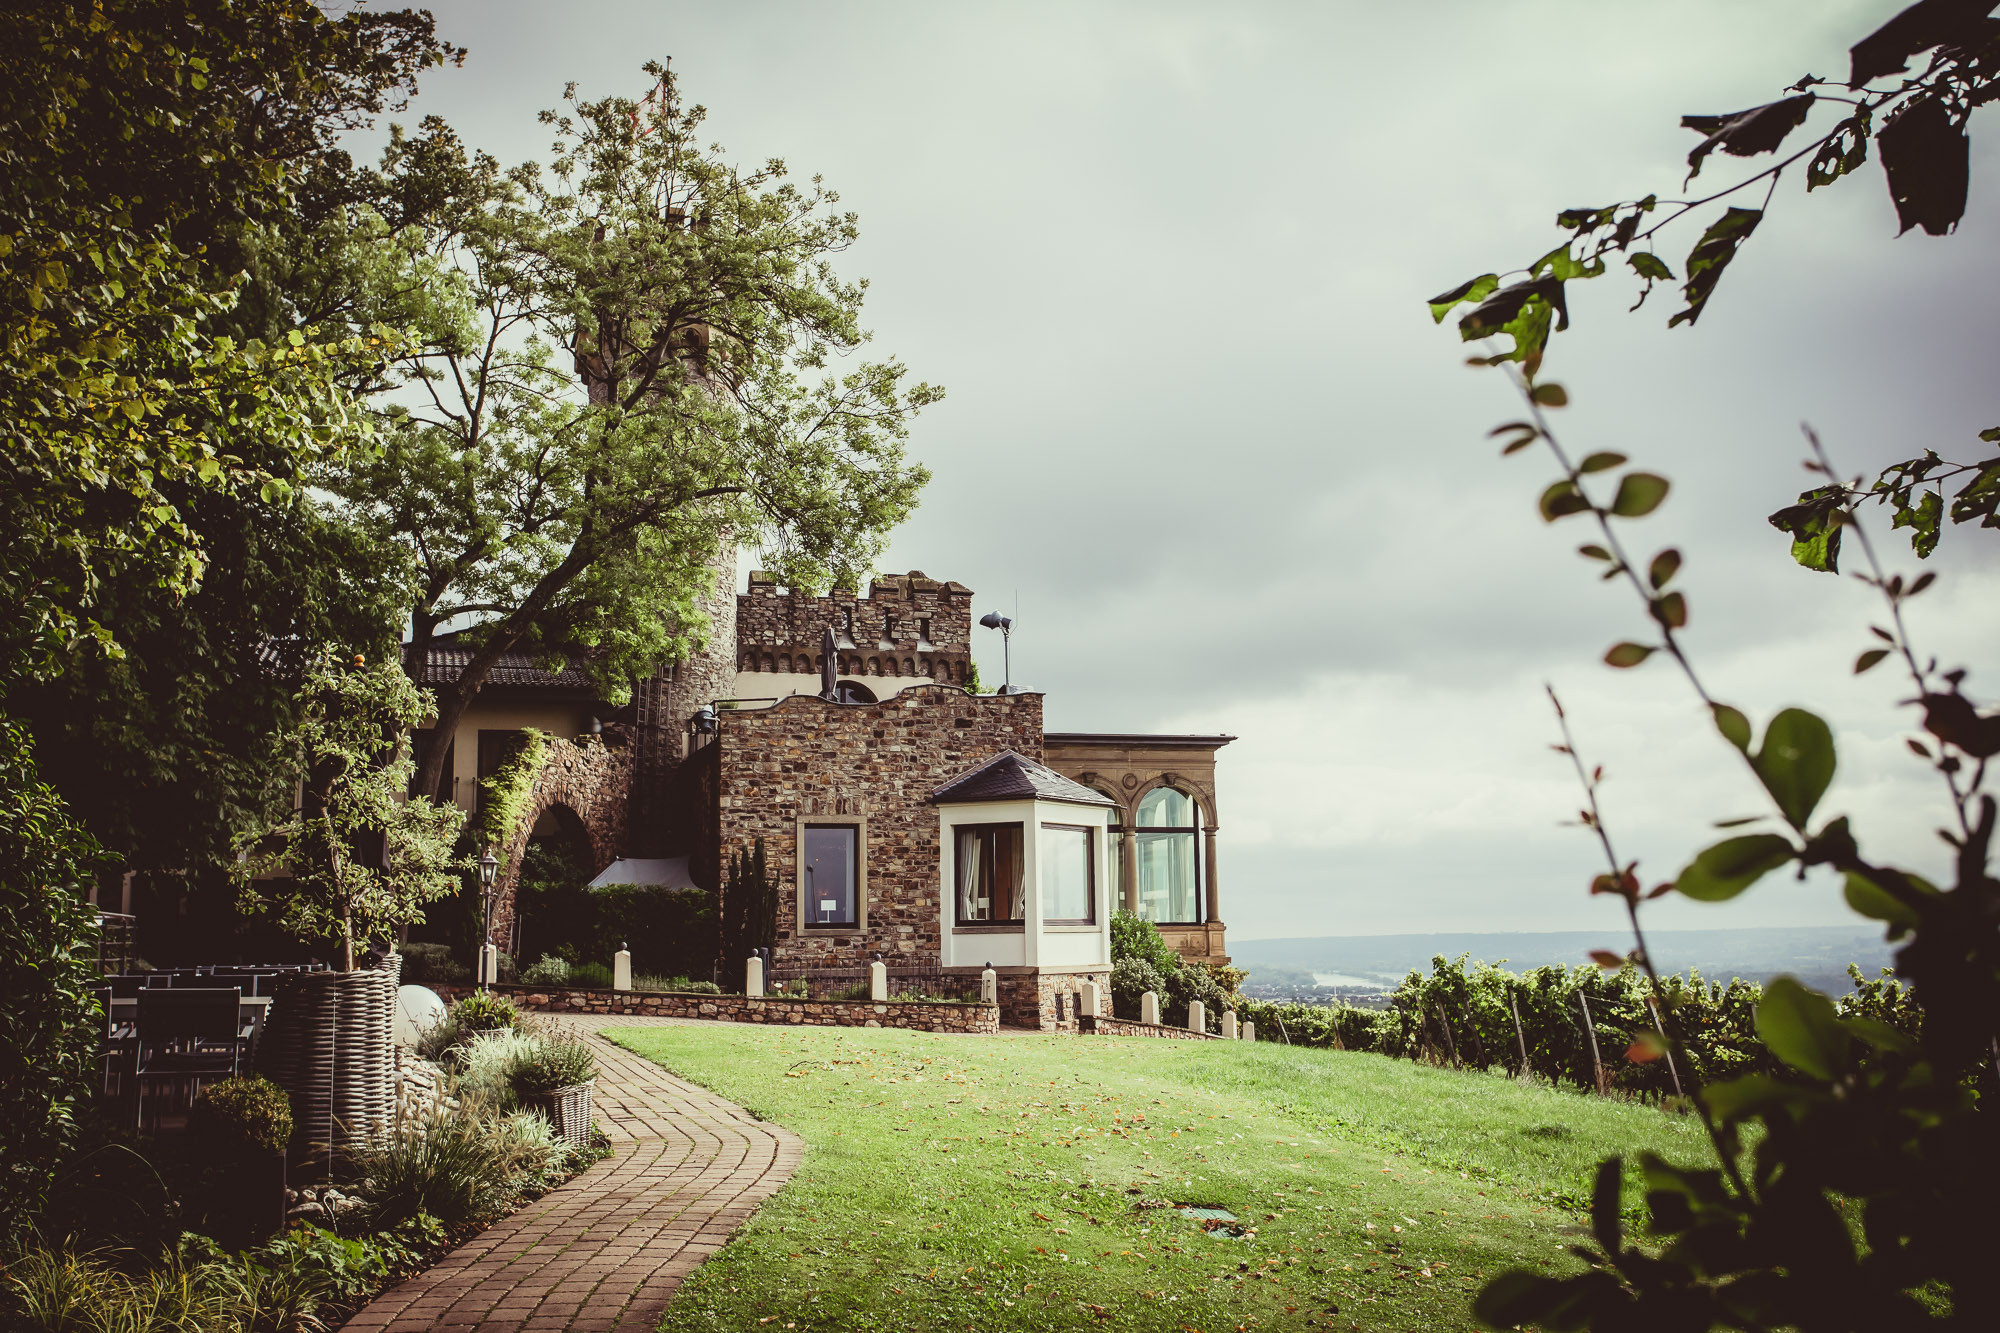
328	1044
567	1109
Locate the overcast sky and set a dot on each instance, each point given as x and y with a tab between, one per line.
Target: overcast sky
1169	261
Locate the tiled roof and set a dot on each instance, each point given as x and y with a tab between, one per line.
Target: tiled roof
448	658
1008	776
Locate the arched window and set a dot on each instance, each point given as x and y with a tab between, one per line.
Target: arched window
853	692
1168	829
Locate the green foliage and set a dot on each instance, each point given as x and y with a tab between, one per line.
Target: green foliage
1872	1145
699	304
552	1063
237	1116
431	963
456	1165
49	1018
590	976
307	869
1132	936
666	930
507	793
1917	120
642	981
550	971
1130	979
749	908
484	1011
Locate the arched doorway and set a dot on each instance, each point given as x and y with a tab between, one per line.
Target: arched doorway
548	893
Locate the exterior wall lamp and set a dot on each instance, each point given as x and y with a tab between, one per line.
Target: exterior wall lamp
1005	624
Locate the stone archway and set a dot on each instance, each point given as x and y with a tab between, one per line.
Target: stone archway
590	783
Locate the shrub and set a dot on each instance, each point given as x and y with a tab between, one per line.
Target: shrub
423	963
1132	936
551	971
590	976
1131	978
484	1011
485	1060
681	984
238	1116
548	1064
456	1165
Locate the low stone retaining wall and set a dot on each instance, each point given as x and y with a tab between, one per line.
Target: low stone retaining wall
927	1016
1124	1027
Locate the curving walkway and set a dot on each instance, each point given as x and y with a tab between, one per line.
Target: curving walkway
607	1250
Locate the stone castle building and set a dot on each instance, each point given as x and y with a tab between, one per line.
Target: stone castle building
905	817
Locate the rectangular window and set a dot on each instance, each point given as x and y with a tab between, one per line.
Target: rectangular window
829	855
1069	874
989	872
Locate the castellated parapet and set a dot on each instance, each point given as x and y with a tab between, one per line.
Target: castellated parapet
908	625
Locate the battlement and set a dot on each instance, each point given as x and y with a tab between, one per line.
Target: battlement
908	625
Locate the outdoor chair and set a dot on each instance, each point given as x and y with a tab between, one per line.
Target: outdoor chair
186	1036
117	1045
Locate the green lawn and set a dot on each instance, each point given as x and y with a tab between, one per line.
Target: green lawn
1003	1182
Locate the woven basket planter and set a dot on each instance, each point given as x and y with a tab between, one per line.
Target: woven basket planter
328	1044
567	1110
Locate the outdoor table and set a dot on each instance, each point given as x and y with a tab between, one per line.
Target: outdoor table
251	1011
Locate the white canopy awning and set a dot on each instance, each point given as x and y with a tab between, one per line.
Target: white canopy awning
667	872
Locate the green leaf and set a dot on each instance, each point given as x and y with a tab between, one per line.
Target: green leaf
1524	311
1719	873
1623	655
1604	1220
1926	157
1550	395
1735	727
1562	499
1599	461
1923	519
1663	568
1594	551
1746	133
1869	659
1843	151
1815	523
1650	266
1478	289
1710	256
1802	1029
1876	903
1671	611
1751	1095
1639	494
1796	763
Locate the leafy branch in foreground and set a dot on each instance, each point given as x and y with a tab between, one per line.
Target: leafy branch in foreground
1918	123
1849	1211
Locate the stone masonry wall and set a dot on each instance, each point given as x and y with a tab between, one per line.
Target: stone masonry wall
877	763
1125	1027
1029	1000
879	635
925	1017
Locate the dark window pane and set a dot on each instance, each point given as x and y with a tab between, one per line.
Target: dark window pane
989	872
829	857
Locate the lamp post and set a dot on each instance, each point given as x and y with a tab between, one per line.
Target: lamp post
1005	624
489	873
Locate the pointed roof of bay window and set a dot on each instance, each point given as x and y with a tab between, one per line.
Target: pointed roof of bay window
1009	776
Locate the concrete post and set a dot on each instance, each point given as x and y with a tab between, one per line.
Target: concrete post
1229	1024
1249	1030
621	970
989	987
1091	999
489	964
753	977
1149	1008
878	981
1197	1016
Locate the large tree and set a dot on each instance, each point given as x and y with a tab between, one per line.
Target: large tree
641	367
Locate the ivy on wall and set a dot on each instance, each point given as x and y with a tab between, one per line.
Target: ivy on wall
508	792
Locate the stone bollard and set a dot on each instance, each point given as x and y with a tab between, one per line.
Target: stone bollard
1149	1008
489	965
753	977
621	969
1197	1016
878	981
1229	1025
989	987
1091	999
1249	1030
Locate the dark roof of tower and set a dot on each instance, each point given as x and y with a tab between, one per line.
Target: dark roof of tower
450	655
1008	776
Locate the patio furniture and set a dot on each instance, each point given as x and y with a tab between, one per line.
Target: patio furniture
186	1036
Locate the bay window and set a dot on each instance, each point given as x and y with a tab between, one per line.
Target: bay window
989	874
1167	831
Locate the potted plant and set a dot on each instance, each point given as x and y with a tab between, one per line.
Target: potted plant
355	860
555	1077
240	1127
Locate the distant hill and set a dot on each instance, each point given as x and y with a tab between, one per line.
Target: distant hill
1817	955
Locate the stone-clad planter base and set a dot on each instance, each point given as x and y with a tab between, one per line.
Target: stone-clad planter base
1098	1025
923	1016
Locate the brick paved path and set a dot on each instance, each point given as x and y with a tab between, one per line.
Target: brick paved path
606	1250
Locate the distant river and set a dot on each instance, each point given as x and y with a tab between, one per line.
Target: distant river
1346	981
